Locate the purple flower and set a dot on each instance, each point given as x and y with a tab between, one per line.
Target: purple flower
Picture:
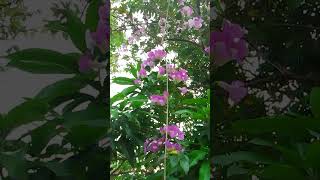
159	54
145	146
186	11
151	55
175	147
103	11
183	90
170	68
142	73
85	62
179	75
101	36
137	81
228	44
181	2
207	49
162	70
160	100
153	145
195	22
147	62
237	91
173	131
156	54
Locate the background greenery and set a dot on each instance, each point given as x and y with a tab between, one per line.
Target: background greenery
258	137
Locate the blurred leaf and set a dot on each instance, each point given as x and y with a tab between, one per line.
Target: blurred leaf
123	81
62	88
92	14
184	163
315	101
43	61
15	164
282	171
204	173
30	110
246	156
196	156
236	170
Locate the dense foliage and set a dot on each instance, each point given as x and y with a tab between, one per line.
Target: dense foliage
273	132
139	111
62	111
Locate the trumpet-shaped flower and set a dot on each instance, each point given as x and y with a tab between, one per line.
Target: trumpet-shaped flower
85	62
142	72
162	70
173	131
160	100
179	75
137	81
228	44
237	91
183	90
173	147
195	22
186	11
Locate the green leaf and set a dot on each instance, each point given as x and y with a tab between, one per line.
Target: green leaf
313	156
123	94
123	81
73	27
236	170
77	101
44	61
92	14
246	156
184	163
280	172
86	126
138	101
58	168
15	164
196	156
173	161
315	101
42	135
204	173
76	30
298	126
62	88
30	110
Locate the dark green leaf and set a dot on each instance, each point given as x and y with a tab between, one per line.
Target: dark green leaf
315	101
44	61
123	81
204	173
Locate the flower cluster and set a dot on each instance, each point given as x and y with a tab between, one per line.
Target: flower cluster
193	22
173	131
186	11
228	44
100	38
102	34
153	55
160	100
179	75
137	34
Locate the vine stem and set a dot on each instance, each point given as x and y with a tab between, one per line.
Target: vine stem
167	110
